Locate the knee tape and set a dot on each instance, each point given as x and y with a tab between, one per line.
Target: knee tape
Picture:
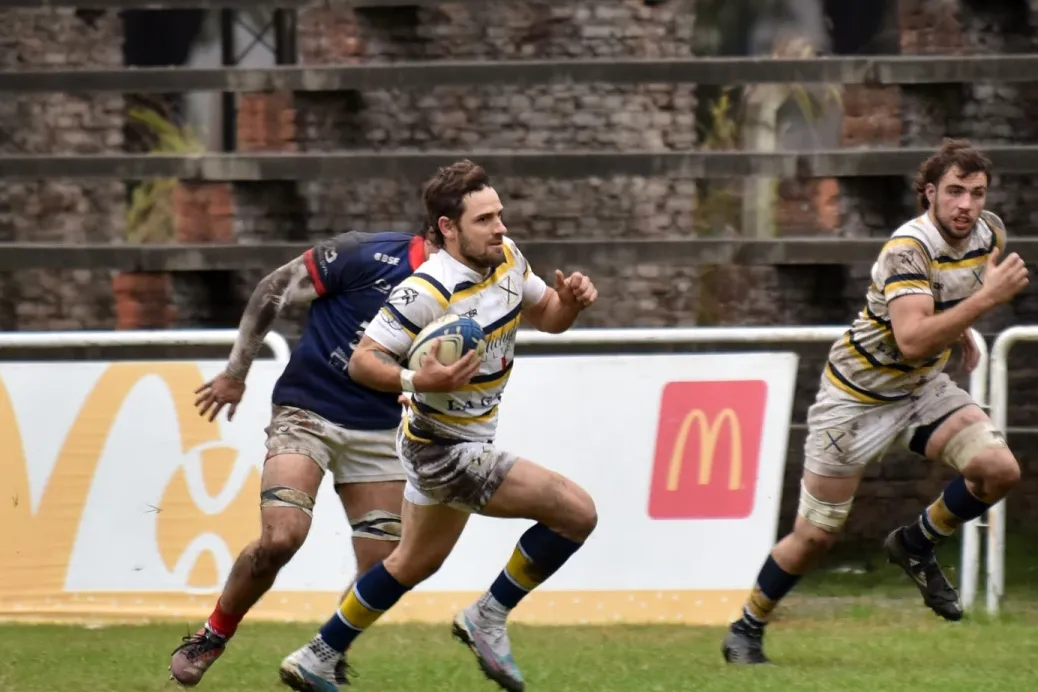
281	496
825	515
378	525
971	441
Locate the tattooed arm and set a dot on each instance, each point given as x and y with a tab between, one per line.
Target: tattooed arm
290	283
331	266
374	366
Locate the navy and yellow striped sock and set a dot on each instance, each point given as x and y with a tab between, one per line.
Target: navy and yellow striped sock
952	509
373	594
539	553
773	583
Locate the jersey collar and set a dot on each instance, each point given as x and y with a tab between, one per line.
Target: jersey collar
416	252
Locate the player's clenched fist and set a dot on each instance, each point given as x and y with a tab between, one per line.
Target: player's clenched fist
576	290
1003	280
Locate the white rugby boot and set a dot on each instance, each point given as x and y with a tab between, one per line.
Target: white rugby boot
483	630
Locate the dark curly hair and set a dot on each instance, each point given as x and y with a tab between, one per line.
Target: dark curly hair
953	153
445	192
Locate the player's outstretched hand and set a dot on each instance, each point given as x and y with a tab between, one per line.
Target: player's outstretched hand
577	290
1003	280
218	392
434	376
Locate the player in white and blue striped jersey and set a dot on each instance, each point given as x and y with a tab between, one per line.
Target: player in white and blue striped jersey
446	441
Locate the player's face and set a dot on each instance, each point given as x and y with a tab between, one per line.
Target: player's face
481	230
957	201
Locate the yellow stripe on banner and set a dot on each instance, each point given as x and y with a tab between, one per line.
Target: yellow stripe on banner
541	607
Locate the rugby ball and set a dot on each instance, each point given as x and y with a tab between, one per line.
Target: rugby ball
457	334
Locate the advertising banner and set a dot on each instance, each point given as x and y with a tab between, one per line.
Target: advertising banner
120	503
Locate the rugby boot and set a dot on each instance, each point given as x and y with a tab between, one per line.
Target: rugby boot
935	588
488	640
744	645
315	668
194	657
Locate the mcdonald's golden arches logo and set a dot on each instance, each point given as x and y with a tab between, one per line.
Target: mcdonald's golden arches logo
707	450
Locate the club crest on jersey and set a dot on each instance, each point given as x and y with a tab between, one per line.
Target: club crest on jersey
404	295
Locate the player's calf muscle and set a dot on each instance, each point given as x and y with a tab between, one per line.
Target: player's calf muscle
286	507
824	507
799	551
370	552
256	568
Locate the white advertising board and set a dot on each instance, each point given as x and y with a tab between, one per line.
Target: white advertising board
121	503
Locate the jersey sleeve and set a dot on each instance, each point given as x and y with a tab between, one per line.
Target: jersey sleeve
998	229
333	264
412	305
534	287
904	269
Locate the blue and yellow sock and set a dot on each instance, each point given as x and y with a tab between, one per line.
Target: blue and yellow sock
773	583
539	553
373	594
951	510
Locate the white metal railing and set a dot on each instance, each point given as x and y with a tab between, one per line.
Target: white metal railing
970	557
277	344
681	335
996	576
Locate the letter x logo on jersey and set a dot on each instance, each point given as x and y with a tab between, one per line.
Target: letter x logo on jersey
508	286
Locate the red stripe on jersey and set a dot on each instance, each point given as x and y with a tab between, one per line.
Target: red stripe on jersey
416	252
311	269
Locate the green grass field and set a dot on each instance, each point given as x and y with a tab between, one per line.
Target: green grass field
864	629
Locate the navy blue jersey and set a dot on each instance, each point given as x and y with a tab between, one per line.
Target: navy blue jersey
353	273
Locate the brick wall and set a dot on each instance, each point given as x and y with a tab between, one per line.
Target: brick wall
57	210
598	116
655	117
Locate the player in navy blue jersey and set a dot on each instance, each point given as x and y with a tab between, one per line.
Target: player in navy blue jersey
321	421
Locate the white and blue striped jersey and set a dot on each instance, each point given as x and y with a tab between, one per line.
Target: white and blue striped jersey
495	299
866	363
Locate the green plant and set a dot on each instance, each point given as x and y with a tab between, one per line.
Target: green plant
813	101
727	118
718	204
150	215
